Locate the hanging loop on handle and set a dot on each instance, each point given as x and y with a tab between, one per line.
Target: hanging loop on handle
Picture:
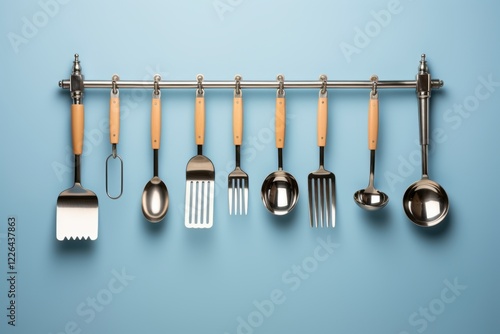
237	86
200	92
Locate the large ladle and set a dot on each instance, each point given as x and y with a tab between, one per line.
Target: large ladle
155	194
280	190
425	202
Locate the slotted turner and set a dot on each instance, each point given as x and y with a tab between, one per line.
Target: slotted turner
77	208
200	175
321	183
238	179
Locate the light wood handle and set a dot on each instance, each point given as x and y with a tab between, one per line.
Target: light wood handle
280	122
237	120
155	123
77	126
114	120
199	120
373	123
322	120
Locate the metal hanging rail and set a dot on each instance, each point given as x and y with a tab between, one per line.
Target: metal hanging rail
297	84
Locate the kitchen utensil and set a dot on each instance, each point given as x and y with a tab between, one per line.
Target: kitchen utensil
370	198
200	173
238	179
114	134
321	183
77	213
425	202
280	191
155	195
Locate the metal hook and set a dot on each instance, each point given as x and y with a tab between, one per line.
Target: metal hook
114	86
324	79
374	91
237	85
281	85
200	92
156	79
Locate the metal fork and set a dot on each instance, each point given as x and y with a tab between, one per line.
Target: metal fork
238	179
321	183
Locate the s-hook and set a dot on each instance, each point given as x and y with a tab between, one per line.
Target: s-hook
114	133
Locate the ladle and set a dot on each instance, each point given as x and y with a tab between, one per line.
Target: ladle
280	190
425	202
370	198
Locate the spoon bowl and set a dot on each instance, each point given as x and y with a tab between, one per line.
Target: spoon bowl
280	192
155	200
425	203
371	199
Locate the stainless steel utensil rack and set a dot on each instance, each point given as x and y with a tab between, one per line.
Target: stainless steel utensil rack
423	84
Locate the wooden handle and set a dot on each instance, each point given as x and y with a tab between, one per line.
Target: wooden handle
155	123
199	120
322	120
77	125
114	120
373	123
237	120
280	122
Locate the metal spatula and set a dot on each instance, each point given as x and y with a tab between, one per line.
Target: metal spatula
200	174
321	183
77	208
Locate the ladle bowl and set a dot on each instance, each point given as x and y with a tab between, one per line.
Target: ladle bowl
425	203
371	200
280	192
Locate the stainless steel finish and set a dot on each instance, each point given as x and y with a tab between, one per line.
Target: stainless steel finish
280	191
77	210
200	192
114	155
76	82
425	202
238	179
200	183
155	197
321	186
302	84
370	198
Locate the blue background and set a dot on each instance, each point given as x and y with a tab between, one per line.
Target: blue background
383	275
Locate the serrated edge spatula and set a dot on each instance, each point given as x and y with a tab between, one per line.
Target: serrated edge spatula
200	174
321	183
77	213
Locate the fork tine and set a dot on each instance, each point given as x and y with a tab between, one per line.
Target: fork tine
328	203
240	193
230	196
245	194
